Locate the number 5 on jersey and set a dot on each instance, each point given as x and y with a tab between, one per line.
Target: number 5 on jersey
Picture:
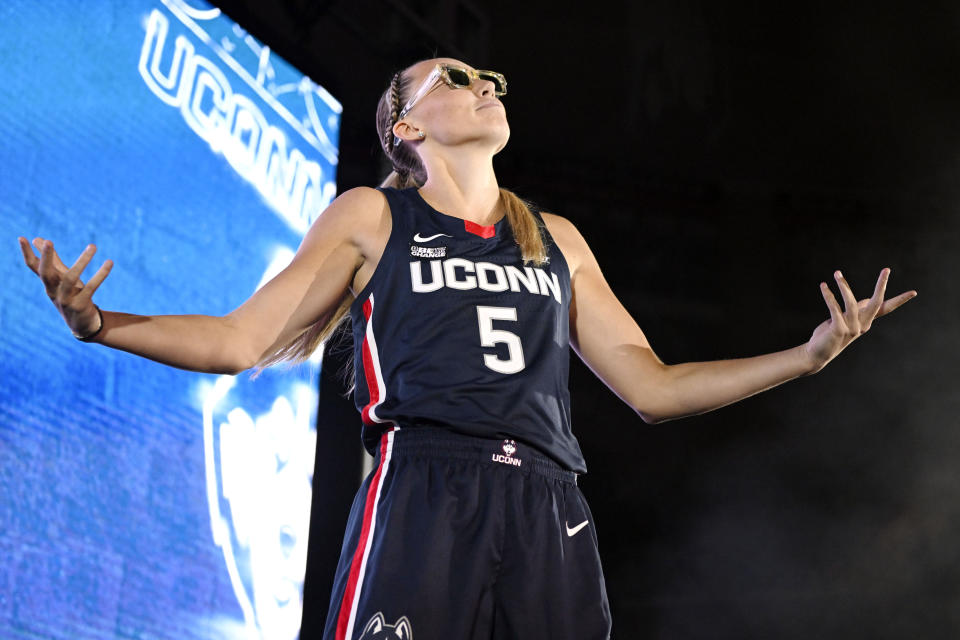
490	337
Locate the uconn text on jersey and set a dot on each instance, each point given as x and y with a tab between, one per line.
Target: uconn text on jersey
463	274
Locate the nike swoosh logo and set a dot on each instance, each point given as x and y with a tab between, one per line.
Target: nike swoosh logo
419	238
576	529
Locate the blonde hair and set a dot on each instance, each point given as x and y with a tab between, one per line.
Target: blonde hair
408	171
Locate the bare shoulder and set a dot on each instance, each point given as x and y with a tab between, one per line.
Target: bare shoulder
571	244
358	207
359	217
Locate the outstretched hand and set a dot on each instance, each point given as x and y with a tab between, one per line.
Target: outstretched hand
843	327
73	298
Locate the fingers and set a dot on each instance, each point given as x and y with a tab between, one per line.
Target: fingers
94	282
881	287
872	306
70	280
39	243
63	285
45	268
865	311
893	303
835	314
851	308
29	257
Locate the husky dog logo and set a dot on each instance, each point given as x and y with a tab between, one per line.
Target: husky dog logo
509	447
259	466
378	629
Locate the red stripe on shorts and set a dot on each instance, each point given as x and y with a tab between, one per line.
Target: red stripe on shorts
354	578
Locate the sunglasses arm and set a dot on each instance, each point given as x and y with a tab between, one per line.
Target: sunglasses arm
424	88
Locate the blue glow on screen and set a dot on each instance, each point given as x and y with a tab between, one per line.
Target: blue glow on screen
137	500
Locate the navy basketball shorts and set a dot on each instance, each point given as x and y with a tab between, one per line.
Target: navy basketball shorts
453	537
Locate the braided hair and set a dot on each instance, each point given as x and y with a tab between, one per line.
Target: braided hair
388	137
407	166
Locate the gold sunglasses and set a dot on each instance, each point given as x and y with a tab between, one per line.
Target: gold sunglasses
455	78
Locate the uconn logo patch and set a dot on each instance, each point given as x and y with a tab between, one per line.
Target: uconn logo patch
509	448
378	629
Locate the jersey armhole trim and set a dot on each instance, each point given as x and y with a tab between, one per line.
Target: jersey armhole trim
553	248
378	271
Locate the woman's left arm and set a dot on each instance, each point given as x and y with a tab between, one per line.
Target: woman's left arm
612	344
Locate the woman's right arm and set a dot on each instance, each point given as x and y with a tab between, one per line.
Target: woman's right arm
306	290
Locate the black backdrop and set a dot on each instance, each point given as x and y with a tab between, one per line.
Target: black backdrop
722	158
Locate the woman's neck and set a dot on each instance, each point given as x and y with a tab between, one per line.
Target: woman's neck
465	187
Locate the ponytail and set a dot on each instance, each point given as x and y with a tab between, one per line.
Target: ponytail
399	179
527	228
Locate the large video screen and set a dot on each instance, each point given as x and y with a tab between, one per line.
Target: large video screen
138	500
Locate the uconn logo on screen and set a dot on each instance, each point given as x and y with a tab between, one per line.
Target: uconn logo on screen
232	123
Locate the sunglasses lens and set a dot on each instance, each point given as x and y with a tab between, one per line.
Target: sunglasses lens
458	77
498	85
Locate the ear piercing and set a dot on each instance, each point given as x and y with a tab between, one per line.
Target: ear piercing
420	134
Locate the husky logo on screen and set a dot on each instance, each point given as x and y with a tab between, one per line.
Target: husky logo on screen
378	629
259	444
259	471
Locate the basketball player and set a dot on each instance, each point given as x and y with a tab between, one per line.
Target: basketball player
463	302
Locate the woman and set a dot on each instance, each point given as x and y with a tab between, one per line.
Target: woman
463	302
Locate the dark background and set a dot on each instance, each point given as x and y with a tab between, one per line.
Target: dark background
722	158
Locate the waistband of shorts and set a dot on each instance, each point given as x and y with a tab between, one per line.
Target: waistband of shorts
443	443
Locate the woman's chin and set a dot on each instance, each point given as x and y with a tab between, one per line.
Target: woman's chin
500	136
503	143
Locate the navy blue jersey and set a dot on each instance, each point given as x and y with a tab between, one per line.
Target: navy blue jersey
454	331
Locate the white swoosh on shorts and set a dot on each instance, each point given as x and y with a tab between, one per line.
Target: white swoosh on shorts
576	529
419	238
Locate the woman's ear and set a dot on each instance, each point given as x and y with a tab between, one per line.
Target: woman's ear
406	131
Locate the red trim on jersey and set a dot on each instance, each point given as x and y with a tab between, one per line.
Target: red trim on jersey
348	594
373	389
479	229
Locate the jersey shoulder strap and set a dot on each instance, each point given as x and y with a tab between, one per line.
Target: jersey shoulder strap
403	210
